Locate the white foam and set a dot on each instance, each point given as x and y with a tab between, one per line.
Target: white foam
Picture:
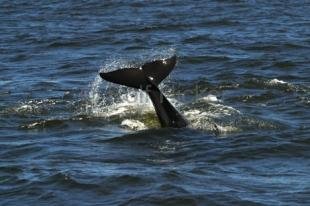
133	124
33	125
226	129
210	98
224	109
204	118
277	81
27	108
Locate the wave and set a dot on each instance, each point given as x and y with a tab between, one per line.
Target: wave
132	109
52	123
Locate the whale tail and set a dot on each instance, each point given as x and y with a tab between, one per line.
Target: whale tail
139	78
147	77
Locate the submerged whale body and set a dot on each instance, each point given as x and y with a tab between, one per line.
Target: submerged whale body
147	78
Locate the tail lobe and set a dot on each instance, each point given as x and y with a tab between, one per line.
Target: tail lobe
137	78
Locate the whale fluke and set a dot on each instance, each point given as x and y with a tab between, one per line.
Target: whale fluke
147	77
138	77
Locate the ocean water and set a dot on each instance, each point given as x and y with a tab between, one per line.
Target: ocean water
242	80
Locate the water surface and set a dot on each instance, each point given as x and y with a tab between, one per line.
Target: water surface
242	81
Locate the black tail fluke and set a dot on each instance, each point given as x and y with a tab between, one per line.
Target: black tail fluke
138	77
131	77
147	77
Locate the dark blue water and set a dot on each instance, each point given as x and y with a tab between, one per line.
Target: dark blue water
242	81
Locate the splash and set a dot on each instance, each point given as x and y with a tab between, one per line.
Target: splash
95	100
115	101
132	108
